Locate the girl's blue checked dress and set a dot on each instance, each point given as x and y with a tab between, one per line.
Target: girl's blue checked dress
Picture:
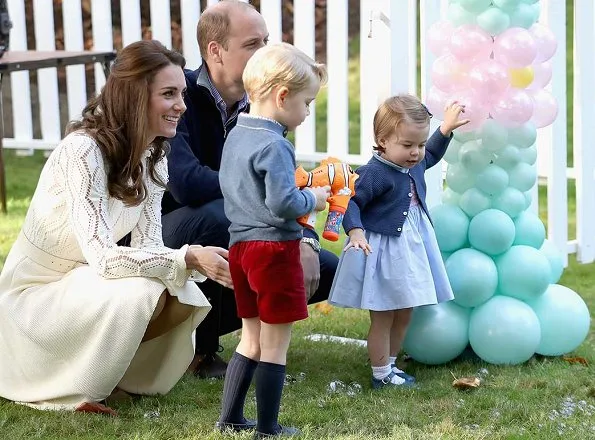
399	273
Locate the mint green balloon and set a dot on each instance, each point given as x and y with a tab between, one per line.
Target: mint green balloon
494	136
451	225
475	6
465	136
473	201
523	16
473	157
530	230
459	16
507	5
528	199
473	277
508	158
564	320
452	153
529	155
523	136
511	201
450	197
437	333
458	178
445	255
529	2
492	180
494	20
504	331
523	272
523	176
492	232
554	257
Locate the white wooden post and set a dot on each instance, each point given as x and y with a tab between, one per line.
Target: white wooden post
584	115
272	12
22	120
551	142
375	68
161	22
47	79
190	12
430	11
101	21
73	40
303	39
403	46
131	21
338	69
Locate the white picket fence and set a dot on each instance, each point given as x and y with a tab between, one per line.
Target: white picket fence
388	53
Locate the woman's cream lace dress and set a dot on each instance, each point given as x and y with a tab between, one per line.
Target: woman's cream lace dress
74	306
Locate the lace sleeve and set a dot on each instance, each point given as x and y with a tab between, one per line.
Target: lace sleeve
148	233
88	198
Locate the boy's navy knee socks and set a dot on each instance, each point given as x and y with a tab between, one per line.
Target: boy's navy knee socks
238	378
269	387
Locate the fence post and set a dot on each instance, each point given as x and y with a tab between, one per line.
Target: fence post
161	22
303	39
337	59
22	120
584	115
131	22
272	12
101	19
47	79
76	90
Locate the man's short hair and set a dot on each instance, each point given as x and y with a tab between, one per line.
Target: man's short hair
215	24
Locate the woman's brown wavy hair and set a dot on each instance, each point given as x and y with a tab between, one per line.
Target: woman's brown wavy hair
118	121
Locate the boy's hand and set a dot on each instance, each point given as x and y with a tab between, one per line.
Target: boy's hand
321	193
357	240
451	121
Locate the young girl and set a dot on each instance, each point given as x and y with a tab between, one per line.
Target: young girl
391	262
257	178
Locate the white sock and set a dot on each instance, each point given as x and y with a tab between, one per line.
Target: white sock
381	372
392	360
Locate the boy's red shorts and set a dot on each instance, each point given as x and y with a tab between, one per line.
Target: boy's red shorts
268	280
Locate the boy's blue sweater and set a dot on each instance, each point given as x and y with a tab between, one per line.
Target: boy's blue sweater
257	178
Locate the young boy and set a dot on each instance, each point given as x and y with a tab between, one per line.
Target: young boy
257	179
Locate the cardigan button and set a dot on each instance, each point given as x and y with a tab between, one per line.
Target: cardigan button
399	229
404	212
410	194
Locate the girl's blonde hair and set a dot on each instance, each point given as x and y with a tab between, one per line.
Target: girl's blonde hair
280	64
395	110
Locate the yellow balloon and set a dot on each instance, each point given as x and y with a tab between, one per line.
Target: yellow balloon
521	77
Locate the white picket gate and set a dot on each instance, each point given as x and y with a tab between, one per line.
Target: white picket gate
388	54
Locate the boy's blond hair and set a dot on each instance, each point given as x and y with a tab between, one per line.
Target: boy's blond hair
280	64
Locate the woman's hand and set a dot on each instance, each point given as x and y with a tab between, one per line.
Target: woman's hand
357	240
451	121
211	261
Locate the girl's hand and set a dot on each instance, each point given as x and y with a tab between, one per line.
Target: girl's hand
357	240
211	261
451	122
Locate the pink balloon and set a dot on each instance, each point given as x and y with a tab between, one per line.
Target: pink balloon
436	102
513	109
545	41
475	109
448	74
542	75
439	36
489	79
470	42
546	108
515	47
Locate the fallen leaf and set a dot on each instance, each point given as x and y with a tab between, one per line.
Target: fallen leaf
324	308
576	360
466	383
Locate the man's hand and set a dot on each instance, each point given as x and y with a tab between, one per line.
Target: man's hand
311	267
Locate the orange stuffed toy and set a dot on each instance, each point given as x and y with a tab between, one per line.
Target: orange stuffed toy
341	178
